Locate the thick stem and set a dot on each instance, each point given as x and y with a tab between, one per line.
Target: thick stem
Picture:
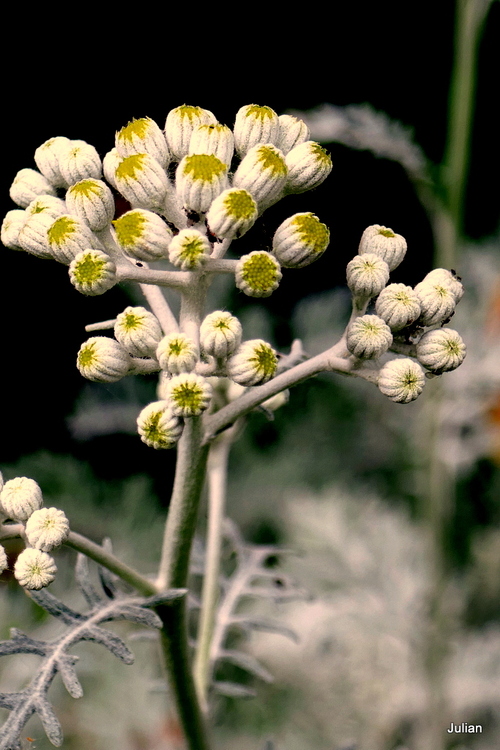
160	308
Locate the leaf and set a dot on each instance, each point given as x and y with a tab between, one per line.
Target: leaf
234	690
247	662
265	625
82	575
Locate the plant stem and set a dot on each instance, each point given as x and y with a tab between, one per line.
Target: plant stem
160	308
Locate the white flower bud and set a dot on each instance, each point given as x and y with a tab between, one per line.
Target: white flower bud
180	124
92	201
449	279
34	569
20	497
254	125
11	227
47	204
220	334
213	139
263	173
177	353
92	272
437	302
109	166
258	274
103	360
29	184
143	136
292	133
401	380
143	235
398	305
189	394
69	236
441	350
254	362
368	337
3	560
158	426
199	179
188	249
308	166
78	161
1	481
300	240
232	214
385	243
142	181
367	275
47	159
138	331
47	528
33	235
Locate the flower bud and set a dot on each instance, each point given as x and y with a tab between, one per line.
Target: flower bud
142	181
263	173
448	279
213	139
177	353
11	227
188	249
69	236
401	380
232	214
103	360
199	179
78	161
188	394
368	337
47	528
92	272
385	243
258	274
138	331
441	350
254	125
398	305
33	235
308	166
29	184
143	235
20	497
292	132
158	426
93	202
3	560
180	124
367	275
220	334
47	204
109	166
254	362
437	302
300	240
143	136
47	159
34	569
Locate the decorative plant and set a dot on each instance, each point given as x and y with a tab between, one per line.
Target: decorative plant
194	189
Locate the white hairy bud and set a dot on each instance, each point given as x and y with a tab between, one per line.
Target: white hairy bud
254	362
441	350
189	249
142	181
177	353
20	497
138	331
401	380
78	161
220	334
180	125
47	528
69	236
158	426
109	166
258	274
385	243
368	337
232	214
308	166
103	360
263	173
199	179
367	275
300	240
29	184
292	132
449	279
213	139
437	302
92	272
11	228
254	125
93	202
47	204
47	159
33	235
143	136
143	235
189	394
398	305
3	560
34	569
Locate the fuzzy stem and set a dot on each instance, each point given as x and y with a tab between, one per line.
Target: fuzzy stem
160	307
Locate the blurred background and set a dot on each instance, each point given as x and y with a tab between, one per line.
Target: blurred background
403	634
